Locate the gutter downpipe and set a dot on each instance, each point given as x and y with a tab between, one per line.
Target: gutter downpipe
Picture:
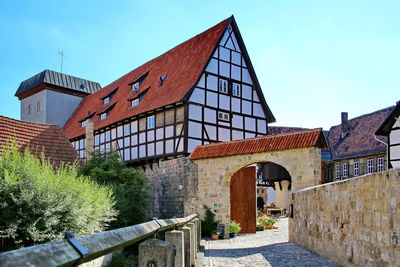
387	152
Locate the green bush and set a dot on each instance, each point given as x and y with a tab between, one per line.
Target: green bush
38	204
265	221
208	224
130	187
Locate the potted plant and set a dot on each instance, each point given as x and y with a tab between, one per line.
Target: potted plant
265	222
215	234
269	222
233	229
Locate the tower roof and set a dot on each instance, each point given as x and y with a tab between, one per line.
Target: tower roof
58	79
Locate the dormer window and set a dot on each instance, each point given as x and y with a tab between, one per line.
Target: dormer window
83	124
135	86
135	102
103	116
107	98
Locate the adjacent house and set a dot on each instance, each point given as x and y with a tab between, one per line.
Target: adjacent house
390	128
354	147
49	140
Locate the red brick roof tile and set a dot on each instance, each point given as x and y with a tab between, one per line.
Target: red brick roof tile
299	139
49	139
182	65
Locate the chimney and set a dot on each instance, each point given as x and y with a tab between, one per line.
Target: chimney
89	138
345	123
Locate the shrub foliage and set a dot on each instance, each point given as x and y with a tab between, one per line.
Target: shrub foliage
38	204
208	224
130	187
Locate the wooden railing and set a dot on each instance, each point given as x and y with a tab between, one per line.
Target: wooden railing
62	253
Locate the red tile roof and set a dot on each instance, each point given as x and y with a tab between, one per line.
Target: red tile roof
182	65
299	139
49	139
359	140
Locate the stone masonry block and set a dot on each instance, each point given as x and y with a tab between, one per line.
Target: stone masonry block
158	252
176	239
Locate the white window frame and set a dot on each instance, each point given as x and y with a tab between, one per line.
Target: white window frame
381	163
151	122
106	100
103	116
135	102
236	89
370	166
83	124
337	171
356	167
345	169
223	86
223	116
135	86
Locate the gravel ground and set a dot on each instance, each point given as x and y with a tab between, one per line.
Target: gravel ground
267	248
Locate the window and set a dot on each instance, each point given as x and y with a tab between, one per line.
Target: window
103	116
223	86
135	86
380	164
370	166
338	171
223	116
356	168
135	102
38	106
30	109
106	100
345	168
150	122
83	124
236	89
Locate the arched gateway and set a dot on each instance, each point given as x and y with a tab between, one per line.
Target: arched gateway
226	172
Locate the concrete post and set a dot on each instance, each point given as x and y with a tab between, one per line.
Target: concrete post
193	241
176	239
197	221
154	252
187	238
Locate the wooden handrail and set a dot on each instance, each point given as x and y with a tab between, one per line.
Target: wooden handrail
61	253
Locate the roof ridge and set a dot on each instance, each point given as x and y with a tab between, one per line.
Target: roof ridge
264	137
367	114
28	122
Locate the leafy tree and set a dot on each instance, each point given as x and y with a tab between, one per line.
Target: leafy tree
38	204
130	187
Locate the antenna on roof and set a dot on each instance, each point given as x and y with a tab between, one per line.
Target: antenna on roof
61	53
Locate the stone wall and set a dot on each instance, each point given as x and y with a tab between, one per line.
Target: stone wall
214	175
352	222
174	188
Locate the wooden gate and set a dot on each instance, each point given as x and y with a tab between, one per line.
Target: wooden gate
243	199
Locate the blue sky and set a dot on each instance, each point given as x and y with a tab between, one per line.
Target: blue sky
314	59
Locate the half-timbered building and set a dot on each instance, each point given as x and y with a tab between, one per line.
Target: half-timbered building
204	90
391	129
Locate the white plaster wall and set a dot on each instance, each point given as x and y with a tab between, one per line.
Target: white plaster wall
40	116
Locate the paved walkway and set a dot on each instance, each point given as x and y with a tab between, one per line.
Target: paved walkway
267	248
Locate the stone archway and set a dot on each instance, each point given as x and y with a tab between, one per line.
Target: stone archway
214	175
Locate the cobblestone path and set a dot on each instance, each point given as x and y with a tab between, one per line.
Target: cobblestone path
267	248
